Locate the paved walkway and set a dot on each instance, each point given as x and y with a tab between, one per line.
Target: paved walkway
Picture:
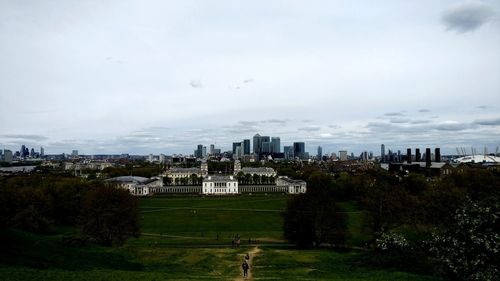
252	254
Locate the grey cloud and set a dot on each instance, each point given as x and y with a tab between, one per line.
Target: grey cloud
424	110
455	126
309	128
399	120
467	16
334	126
195	84
307	120
277	121
250	80
394	114
488	122
248	123
25	137
113	60
483	107
419	121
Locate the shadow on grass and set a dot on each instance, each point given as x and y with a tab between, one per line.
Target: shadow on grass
42	252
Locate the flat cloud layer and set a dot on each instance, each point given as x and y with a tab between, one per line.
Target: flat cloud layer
157	76
467	16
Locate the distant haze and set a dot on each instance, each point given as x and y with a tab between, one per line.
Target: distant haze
146	77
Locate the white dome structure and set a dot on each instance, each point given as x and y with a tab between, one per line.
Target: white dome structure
478	159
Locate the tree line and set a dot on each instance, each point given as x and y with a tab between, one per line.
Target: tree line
40	203
445	225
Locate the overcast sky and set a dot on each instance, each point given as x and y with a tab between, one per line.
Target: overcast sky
162	76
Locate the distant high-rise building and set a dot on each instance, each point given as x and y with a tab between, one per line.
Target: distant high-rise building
150	158
235	145
437	154
204	152
299	149
162	158
74	153
382	153
199	151
32	152
212	149
7	156
320	153
23	151
257	144
408	155
343	155
276	146
266	147
288	152
418	157
246	147
42	151
428	156
364	156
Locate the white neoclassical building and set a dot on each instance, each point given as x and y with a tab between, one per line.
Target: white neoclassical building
292	186
219	185
139	186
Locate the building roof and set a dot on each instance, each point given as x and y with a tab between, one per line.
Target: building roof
478	159
251	170
129	179
193	170
291	181
219	179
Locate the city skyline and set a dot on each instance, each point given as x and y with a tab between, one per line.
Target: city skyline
162	76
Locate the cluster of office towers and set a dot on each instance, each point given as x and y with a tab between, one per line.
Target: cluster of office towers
418	157
262	145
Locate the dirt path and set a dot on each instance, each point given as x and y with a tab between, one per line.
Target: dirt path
252	254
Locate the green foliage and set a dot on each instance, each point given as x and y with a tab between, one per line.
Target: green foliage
470	247
313	218
110	215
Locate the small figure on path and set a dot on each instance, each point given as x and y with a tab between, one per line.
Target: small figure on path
245	267
247	257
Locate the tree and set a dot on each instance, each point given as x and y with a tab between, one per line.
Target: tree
470	247
312	219
110	215
255	179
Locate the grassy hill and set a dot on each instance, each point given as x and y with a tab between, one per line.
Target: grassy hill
180	243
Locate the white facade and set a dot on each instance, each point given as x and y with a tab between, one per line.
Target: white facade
178	173
262	171
139	186
215	185
293	186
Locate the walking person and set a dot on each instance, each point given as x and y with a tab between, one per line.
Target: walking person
245	267
247	258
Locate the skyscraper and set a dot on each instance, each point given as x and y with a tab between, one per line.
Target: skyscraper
7	156
235	145
343	155
246	147
275	144
437	154
417	155
288	152
320	152
257	144
266	147
299	149
42	152
382	153
408	155
199	151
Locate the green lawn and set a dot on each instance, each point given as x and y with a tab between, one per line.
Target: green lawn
181	244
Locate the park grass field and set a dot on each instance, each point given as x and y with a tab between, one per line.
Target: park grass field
189	238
